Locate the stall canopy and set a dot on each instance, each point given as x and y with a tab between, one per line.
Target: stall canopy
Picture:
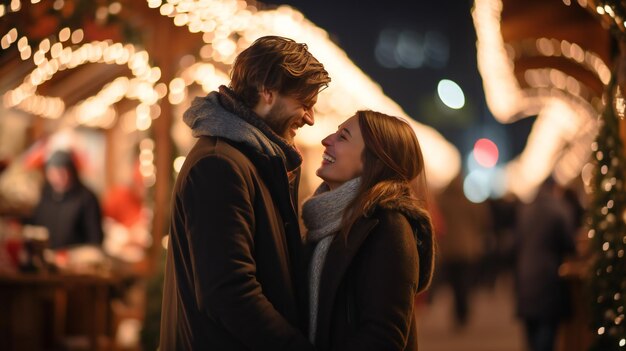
548	59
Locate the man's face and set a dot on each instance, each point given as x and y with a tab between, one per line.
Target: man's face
288	114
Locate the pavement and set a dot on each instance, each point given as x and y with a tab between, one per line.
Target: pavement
492	325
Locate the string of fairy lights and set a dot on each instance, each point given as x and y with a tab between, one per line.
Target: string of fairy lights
226	30
14	6
65	51
614	13
551	47
226	24
562	148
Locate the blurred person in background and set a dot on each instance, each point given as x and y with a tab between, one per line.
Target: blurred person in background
499	258
544	237
462	247
67	208
570	195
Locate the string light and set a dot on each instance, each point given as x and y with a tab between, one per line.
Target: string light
9	38
550	47
15	5
551	77
95	111
204	74
146	161
178	163
549	91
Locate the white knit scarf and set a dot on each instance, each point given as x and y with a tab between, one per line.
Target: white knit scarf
322	214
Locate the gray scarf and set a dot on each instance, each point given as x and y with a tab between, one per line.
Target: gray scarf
221	114
322	214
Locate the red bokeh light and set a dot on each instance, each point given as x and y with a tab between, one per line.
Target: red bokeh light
486	152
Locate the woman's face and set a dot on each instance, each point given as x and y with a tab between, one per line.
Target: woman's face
342	159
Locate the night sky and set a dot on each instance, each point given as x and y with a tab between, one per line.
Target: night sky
408	47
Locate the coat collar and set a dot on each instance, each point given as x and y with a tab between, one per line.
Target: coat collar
220	114
340	255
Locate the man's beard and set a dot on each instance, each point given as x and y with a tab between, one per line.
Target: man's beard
278	120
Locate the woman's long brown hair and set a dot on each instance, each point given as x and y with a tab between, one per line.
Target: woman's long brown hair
393	177
393	166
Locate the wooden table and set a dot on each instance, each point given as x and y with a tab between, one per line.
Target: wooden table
40	311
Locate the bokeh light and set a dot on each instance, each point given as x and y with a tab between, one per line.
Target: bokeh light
482	183
410	49
451	94
476	186
486	152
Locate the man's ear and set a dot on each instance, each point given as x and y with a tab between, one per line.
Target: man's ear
267	98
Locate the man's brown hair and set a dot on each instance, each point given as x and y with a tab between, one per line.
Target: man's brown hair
280	64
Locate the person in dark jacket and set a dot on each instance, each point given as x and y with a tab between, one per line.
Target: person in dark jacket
67	208
371	237
231	281
544	237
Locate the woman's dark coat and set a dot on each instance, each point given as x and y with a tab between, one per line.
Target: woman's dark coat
369	283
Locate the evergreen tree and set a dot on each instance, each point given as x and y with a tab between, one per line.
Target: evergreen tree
607	216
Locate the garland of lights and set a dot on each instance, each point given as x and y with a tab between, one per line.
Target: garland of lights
103	13
608	232
617	13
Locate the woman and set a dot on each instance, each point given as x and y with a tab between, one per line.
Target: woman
371	237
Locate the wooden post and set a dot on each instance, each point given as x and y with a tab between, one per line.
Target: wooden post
166	44
163	141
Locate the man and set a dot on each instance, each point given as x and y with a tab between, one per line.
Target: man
231	280
67	208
